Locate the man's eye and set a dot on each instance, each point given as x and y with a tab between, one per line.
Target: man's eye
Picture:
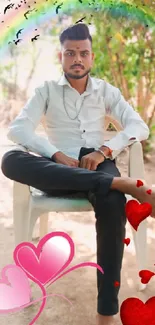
71	54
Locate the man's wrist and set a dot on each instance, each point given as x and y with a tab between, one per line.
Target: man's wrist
106	150
102	153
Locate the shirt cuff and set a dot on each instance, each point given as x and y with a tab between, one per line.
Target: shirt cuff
46	152
116	148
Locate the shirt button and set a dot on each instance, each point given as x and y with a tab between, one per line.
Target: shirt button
84	131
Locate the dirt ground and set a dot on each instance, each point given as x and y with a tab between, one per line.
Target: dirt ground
78	286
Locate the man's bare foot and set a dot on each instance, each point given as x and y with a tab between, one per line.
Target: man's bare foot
105	320
128	185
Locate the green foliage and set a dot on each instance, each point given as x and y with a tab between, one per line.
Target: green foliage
124	53
150	140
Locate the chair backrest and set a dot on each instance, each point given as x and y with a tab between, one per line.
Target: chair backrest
108	120
115	123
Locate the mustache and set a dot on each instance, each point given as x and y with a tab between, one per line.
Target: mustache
77	65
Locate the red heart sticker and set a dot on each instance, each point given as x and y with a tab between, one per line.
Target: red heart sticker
126	241
137	212
134	312
116	284
146	275
139	183
149	191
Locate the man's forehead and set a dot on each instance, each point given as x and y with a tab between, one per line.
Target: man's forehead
77	45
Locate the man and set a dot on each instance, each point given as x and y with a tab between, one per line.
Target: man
76	158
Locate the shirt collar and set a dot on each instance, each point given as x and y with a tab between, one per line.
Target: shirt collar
91	84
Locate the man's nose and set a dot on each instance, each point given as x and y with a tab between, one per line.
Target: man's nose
77	58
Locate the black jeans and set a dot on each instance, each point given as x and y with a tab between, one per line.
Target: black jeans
109	207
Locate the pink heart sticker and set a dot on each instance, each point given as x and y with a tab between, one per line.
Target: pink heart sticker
14	288
53	254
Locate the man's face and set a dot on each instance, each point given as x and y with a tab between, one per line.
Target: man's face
76	58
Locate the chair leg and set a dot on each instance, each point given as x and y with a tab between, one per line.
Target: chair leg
140	241
43	225
21	212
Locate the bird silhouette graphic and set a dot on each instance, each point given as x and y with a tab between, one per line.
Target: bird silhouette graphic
17	41
19	32
27	12
34	38
80	20
8	7
58	7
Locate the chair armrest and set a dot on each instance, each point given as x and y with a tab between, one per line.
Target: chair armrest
136	161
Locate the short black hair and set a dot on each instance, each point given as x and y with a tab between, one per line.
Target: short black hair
77	32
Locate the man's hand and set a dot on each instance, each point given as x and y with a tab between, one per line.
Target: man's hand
92	160
60	158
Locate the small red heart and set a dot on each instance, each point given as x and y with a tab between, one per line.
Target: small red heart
134	312
146	275
149	191
126	241
137	212
139	183
116	284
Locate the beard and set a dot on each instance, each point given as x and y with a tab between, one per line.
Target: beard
76	76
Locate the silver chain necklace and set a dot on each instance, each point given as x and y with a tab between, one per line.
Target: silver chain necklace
65	105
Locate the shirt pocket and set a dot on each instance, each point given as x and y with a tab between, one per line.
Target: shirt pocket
96	102
95	107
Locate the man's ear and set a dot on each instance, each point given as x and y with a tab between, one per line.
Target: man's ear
92	59
59	56
93	56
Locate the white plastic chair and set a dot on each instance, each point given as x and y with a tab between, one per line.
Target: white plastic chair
29	205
